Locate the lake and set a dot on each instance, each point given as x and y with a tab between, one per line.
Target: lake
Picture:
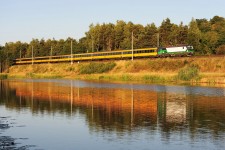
72	114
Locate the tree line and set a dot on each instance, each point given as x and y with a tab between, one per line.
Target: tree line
207	37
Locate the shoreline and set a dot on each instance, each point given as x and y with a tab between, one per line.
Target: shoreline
183	70
209	79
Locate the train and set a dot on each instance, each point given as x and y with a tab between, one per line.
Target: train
110	55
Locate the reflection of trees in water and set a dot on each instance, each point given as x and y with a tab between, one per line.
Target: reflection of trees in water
191	114
104	108
120	110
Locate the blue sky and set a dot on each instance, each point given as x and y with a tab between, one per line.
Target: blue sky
22	20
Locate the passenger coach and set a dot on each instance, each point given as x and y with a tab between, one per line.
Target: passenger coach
110	55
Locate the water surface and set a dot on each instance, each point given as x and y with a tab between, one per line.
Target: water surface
64	114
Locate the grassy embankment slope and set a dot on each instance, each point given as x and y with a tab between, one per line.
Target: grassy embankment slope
189	69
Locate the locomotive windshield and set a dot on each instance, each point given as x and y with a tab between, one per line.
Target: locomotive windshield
190	47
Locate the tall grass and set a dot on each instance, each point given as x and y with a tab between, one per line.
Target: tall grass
96	68
188	73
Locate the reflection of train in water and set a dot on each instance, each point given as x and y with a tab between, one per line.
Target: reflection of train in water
109	55
130	107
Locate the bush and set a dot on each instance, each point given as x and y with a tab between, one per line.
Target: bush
220	50
96	68
188	73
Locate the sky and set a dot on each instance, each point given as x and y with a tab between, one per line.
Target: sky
23	20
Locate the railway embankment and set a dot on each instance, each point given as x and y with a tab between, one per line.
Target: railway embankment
210	70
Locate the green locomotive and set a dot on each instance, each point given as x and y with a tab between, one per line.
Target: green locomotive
175	51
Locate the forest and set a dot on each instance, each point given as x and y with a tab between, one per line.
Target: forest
206	36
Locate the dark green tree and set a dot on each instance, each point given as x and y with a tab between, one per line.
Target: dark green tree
218	25
150	36
182	34
83	45
165	31
204	25
2	58
194	36
119	34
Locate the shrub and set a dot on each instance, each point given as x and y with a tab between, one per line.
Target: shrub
188	73
96	68
220	50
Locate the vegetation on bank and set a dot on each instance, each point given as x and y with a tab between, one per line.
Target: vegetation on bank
161	70
92	68
189	73
207	37
3	76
